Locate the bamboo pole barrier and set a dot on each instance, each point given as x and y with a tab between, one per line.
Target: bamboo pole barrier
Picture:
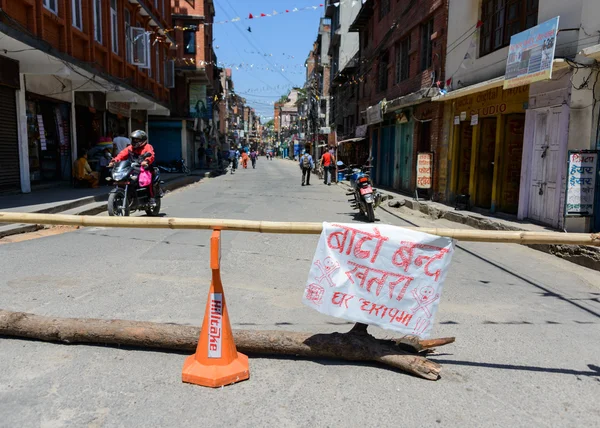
303	228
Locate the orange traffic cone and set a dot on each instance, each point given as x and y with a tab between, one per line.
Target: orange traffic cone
216	361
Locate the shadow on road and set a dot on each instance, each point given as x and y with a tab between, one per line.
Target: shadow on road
594	370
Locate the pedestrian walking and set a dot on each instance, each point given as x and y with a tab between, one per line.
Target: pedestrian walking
245	159
306	165
328	161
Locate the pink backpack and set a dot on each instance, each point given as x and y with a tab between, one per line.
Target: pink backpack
145	177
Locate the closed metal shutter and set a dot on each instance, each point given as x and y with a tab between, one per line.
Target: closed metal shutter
10	177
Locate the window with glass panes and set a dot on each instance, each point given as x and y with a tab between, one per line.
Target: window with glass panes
114	29
77	18
504	18
426	45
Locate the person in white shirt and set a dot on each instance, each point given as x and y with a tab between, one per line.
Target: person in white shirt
121	142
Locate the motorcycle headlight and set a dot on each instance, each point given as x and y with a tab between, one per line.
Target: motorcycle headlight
119	175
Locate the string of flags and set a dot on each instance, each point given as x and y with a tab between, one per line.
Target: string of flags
275	68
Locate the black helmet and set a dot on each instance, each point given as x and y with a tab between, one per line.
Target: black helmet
138	139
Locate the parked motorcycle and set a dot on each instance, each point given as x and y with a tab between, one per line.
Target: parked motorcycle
364	197
174	166
128	196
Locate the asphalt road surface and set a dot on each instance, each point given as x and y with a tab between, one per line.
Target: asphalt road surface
527	325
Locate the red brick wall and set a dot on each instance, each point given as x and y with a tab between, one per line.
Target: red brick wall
409	15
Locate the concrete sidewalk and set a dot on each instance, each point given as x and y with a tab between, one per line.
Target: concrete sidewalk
582	255
68	200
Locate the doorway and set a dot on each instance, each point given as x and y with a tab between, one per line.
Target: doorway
464	158
485	163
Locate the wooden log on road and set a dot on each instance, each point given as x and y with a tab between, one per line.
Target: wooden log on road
405	354
507	237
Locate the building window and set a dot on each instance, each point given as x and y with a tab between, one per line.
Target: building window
114	26
503	19
403	60
98	20
384	8
76	14
51	5
189	41
426	45
128	41
162	10
157	58
382	72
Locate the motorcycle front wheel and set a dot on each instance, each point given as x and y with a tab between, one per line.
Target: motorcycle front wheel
117	205
370	213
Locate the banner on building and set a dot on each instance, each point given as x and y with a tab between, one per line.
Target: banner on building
198	106
581	183
119	109
374	114
325	130
381	275
424	170
531	54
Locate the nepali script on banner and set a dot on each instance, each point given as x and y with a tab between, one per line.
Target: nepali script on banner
380	275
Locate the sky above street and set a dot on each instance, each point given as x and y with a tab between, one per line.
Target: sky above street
268	60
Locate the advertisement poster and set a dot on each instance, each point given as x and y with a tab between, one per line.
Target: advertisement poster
530	55
198	108
581	183
424	170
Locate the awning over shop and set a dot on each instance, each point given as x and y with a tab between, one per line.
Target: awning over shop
557	65
479	87
350	140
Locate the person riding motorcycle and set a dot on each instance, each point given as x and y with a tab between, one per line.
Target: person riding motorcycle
134	152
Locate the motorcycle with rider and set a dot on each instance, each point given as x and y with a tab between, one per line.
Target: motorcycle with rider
137	184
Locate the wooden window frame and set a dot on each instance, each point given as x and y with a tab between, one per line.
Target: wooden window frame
46	4
403	60
75	16
426	45
98	20
114	26
384	8
498	26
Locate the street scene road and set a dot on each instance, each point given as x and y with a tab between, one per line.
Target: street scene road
527	350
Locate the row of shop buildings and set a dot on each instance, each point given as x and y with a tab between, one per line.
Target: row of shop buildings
425	98
75	74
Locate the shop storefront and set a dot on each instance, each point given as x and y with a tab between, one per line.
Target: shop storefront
49	139
487	149
117	118
9	140
89	119
139	120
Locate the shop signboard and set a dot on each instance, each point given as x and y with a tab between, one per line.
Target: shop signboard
119	109
531	54
581	183
374	114
424	170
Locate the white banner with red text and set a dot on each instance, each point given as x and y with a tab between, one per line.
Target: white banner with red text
379	275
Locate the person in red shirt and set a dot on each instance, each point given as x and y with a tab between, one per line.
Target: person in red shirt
328	162
139	146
